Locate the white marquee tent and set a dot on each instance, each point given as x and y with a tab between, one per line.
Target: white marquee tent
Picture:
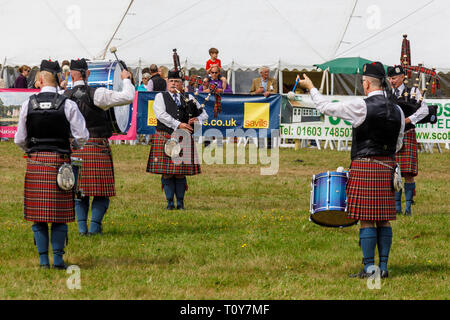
283	34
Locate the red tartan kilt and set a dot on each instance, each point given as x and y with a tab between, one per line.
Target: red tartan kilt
160	163
97	170
44	201
407	156
370	196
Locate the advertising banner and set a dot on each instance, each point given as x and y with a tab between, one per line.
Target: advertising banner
237	112
304	122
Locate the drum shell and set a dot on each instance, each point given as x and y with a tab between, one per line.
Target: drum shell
329	201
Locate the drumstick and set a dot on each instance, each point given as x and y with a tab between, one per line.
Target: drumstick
296	82
120	62
291	94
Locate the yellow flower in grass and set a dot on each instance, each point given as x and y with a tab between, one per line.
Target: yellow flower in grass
244	245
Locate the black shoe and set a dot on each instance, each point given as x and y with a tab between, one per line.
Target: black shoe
170	207
60	267
362	274
180	208
384	274
44	266
83	234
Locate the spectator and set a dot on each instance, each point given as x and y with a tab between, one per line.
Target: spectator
156	83
21	81
145	82
163	72
264	84
191	85
37	80
2	84
214	61
145	70
214	74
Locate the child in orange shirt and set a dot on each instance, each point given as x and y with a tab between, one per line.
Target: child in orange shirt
214	61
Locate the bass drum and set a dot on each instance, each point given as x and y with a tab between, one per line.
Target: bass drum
106	74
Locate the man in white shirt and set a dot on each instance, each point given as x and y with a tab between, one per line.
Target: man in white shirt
46	123
377	134
407	157
173	116
97	173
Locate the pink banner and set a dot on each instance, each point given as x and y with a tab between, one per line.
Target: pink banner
131	134
10	102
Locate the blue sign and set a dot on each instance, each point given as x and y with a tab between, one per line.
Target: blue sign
238	111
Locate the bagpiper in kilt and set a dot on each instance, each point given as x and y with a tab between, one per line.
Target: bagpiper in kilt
97	173
407	157
173	121
378	126
46	122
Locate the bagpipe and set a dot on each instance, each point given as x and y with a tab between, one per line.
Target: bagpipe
196	81
412	99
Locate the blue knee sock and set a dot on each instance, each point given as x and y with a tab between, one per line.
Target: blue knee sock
384	245
82	211
58	239
368	240
409	191
180	189
40	231
169	190
398	201
99	207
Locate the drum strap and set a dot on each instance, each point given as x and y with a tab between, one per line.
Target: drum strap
397	184
96	144
376	161
43	164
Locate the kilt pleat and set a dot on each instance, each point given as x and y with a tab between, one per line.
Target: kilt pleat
97	169
406	157
44	201
370	196
160	163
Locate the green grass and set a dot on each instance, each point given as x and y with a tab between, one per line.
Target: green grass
243	236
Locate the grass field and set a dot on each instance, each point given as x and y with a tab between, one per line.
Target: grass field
243	236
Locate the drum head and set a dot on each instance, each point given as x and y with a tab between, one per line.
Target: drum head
123	113
332	218
106	74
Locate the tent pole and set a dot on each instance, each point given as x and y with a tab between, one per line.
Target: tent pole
332	84
3	67
356	78
139	71
233	77
280	78
326	81
323	80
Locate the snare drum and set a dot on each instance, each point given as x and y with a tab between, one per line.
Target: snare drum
106	74
328	203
